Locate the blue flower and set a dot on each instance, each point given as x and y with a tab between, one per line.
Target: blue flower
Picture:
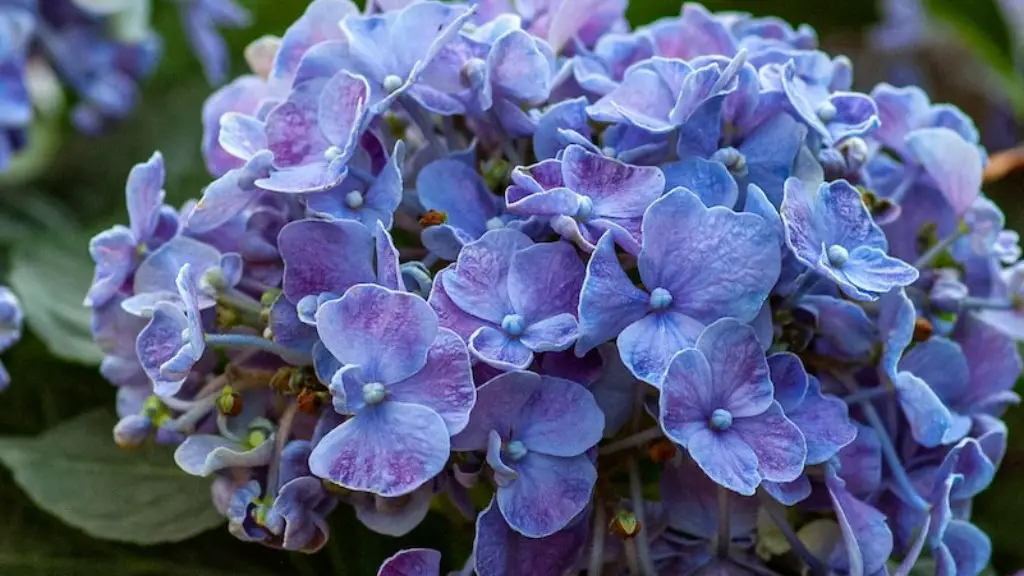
405	381
173	341
831	232
717	402
696	267
537	431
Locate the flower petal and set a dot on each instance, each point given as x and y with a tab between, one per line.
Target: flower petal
548	494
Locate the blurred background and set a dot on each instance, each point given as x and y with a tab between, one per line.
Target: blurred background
68	186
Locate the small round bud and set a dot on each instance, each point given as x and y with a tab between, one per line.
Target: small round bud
374	393
433	218
624	525
256	437
473	73
609	151
513	325
309	402
132	431
229	402
495	223
354	200
660	299
732	158
515	450
827	112
856	152
838	256
923	329
212	280
661	451
391	83
585	208
721	419
332	153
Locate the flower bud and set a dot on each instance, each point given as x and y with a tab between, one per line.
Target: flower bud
433	218
661	451
229	402
624	525
309	402
132	431
923	330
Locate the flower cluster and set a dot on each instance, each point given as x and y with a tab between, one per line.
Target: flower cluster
99	49
615	295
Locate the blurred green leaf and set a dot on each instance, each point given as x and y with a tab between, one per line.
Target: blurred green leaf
983	29
77	473
50	272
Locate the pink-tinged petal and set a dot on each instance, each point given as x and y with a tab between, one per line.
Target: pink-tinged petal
552	334
144	193
386	333
341	110
444	384
609	302
242	135
780	447
449	315
389	273
954	164
204	454
480	280
559	418
390	449
114	252
686	402
741	380
618	190
705	257
647	345
548	494
727	459
500	551
292	131
324	256
412	562
544	280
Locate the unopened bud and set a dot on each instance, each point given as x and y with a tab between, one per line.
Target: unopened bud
661	451
229	402
433	218
624	525
923	330
309	402
132	431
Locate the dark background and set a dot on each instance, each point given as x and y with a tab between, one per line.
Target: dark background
78	189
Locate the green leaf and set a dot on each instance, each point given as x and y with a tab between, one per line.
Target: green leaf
50	273
77	473
981	24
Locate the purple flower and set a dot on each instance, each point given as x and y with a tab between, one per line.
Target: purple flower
201	19
405	381
717	403
659	95
510	298
412	562
585	195
368	202
696	265
537	431
831	232
500	550
173	341
115	331
11	319
116	251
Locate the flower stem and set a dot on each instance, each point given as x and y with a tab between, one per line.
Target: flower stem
284	429
638	439
596	561
239	301
643	543
893	459
814	564
926	259
868	394
724	538
246	341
